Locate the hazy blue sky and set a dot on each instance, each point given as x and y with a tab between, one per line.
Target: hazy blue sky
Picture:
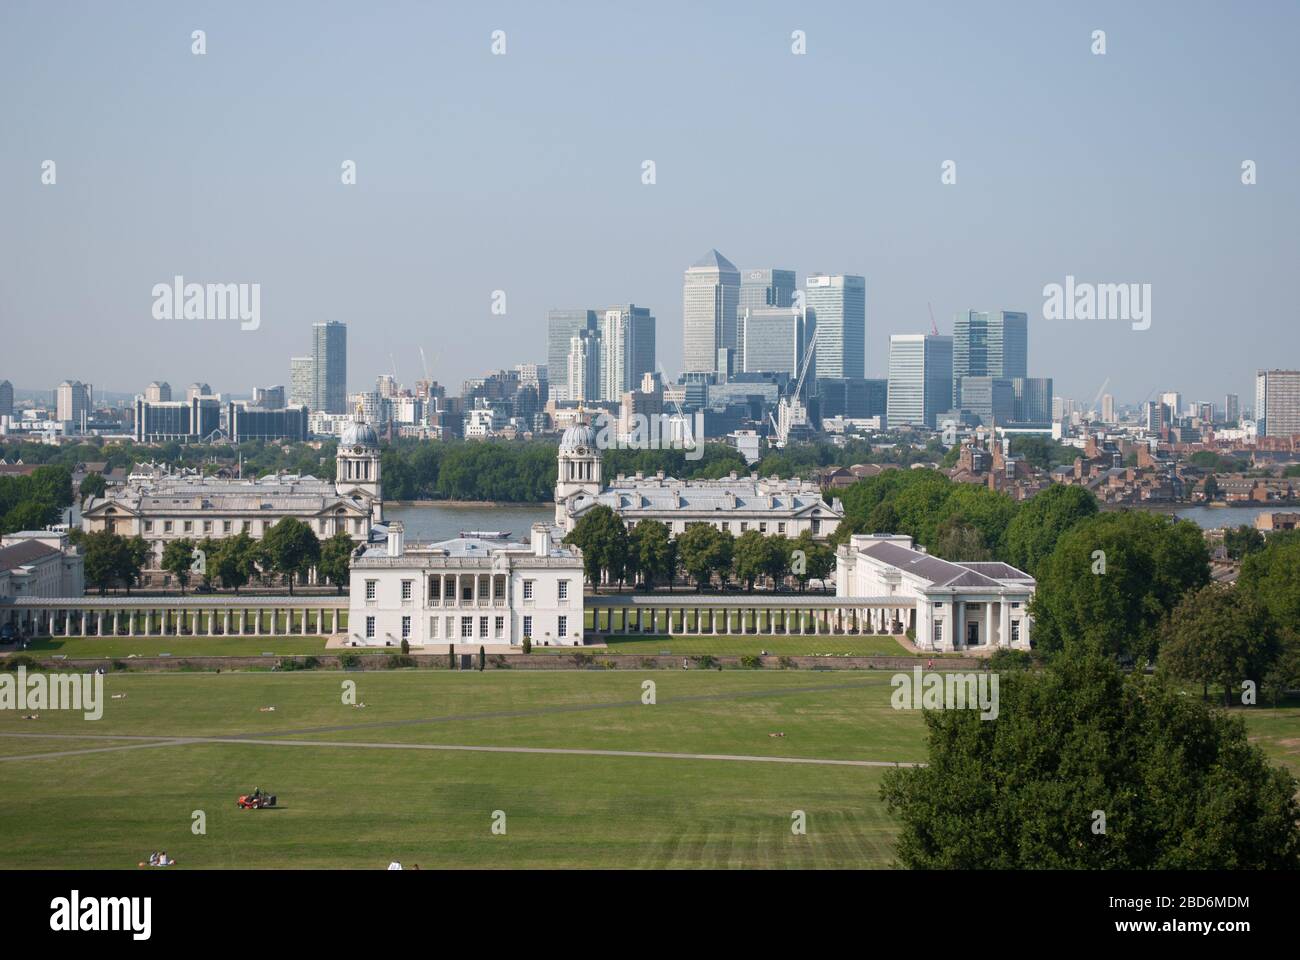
523	173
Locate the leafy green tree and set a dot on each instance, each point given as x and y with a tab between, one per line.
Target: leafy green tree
960	541
1211	488
482	658
750	557
336	559
1221	635
207	549
35	514
1284	674
177	558
1039	522
291	549
652	552
235	561
135	560
92	485
1272	576
703	550
1178	783
776	561
1112	578
105	558
1242	540
810	560
603	540
985	510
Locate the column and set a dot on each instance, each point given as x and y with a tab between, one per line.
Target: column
988	622
958	623
1004	626
116	615
99	623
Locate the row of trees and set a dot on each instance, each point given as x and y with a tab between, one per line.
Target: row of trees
288	551
648	554
258	457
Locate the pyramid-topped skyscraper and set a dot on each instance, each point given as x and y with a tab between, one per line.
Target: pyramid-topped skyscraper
710	294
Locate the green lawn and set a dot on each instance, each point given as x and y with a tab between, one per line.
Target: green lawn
122	647
347	805
357	807
742	645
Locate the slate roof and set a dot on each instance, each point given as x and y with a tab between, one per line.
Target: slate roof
23	553
944	573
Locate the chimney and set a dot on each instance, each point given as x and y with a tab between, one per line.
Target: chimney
396	538
541	540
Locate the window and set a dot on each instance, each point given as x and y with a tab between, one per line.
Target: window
744	526
225	526
406	628
1015	631
467	592
528	627
762	528
148	526
564	590
433	628
938	632
499	627
780	528
406	589
467	628
167	526
189	526
435	589
563	629
370	589
370	628
528	591
207	526
482	628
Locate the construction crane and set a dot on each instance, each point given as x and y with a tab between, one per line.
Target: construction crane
934	327
790	410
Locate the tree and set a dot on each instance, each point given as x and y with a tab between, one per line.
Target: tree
1039	522
482	658
776	562
205	551
177	557
651	552
137	556
92	485
750	557
1112	578
1242	540
291	549
703	550
1219	635
336	559
810	560
960	541
31	515
1178	783
105	558
1211	488
235	561
1272	576
602	538
1284	674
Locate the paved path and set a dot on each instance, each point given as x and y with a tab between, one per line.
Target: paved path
141	742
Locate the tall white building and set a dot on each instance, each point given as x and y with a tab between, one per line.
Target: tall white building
627	349
710	294
920	378
839	305
1277	402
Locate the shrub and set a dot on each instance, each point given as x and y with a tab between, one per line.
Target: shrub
787	663
399	660
21	660
752	662
350	660
528	644
705	661
649	663
406	646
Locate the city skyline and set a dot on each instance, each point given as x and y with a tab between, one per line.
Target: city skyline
412	254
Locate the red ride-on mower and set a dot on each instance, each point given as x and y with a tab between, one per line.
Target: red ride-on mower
256	800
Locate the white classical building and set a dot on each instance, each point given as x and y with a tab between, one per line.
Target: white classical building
40	563
958	606
736	504
469	592
162	506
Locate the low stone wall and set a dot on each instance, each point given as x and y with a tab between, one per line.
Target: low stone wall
520	662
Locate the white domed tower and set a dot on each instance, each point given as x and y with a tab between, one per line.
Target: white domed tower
356	471
579	468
